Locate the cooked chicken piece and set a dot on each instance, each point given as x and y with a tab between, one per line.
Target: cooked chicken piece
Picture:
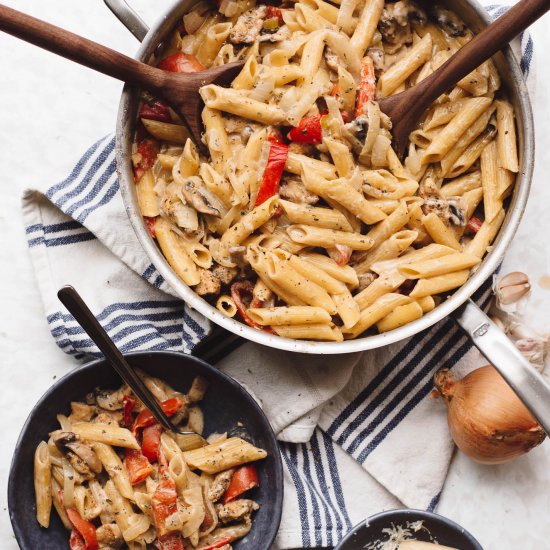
450	210
197	196
236	510
294	190
109	536
450	22
81	456
220	485
224	274
395	23
209	284
80	412
226	547
248	26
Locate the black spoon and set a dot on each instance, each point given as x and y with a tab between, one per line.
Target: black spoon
87	320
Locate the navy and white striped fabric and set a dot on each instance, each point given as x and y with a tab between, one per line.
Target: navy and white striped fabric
369	437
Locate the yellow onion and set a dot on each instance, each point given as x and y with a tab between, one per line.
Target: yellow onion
487	420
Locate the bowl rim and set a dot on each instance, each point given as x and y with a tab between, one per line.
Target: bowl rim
417	515
93	364
487	267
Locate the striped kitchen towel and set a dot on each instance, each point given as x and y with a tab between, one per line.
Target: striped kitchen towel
359	433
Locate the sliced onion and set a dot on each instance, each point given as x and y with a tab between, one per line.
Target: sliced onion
192	21
263	89
229	8
68	484
188	44
262	162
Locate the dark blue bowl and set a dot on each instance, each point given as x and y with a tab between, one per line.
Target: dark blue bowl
225	405
439	528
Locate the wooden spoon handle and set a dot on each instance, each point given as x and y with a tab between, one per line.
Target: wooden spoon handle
79	49
483	46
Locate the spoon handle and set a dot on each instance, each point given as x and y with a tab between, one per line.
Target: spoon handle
87	320
482	47
79	49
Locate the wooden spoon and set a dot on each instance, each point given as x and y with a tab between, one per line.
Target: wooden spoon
405	109
180	91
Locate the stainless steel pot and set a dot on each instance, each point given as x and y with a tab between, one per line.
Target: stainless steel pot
490	340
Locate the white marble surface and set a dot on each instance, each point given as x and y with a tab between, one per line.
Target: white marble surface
51	110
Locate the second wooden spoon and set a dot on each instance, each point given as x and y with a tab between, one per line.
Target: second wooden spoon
180	91
406	109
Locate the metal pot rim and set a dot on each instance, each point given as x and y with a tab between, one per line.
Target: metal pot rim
488	266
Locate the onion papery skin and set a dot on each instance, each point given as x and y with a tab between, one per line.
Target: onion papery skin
487	421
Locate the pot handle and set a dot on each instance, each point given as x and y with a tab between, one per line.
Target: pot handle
129	18
218	344
501	352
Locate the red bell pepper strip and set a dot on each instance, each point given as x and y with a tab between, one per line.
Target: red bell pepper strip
474	224
145	418
219	543
150	442
181	63
85	529
367	86
145	157
308	130
239	291
273	12
150	225
164	501
276	160
138	466
128	406
172	541
155	111
242	480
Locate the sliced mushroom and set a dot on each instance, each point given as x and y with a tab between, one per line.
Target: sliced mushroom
111	400
447	209
447	19
237	255
395	23
80	452
197	195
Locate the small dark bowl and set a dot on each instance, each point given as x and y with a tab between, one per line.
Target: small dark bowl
225	405
437	529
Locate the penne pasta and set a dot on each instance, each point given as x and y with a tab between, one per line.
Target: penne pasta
289	315
299	190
